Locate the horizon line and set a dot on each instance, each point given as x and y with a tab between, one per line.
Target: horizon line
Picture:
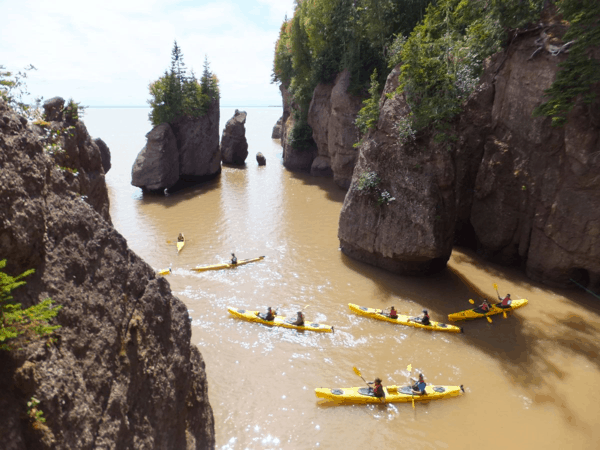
221	106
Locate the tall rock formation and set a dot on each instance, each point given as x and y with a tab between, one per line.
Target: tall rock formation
331	115
122	373
518	190
234	147
186	150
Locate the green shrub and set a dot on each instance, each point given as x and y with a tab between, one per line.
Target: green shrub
367	182
368	116
580	71
16	321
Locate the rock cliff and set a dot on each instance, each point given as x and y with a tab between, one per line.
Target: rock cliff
234	147
185	151
331	115
518	190
122	373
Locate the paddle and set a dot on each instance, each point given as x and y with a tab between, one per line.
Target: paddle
472	302
496	287
412	394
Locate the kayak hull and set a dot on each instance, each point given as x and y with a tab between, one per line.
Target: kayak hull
402	319
393	394
280	321
472	314
180	245
227	265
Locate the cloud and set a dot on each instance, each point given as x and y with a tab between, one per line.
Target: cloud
107	53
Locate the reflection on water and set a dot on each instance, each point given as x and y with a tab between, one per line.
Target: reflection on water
529	372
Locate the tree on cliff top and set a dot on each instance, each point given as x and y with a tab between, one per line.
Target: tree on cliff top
15	321
176	94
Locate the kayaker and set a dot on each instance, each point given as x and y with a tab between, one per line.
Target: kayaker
233	259
504	302
299	319
419	386
425	319
484	307
180	238
377	388
270	315
393	313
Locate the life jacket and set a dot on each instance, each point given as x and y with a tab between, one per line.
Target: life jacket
506	301
394	314
378	390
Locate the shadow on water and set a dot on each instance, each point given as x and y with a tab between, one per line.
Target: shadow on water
182	191
527	351
332	190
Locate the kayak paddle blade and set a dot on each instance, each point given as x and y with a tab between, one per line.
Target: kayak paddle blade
357	372
471	301
489	319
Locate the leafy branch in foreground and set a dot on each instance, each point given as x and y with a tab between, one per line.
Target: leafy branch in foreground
13	90
15	321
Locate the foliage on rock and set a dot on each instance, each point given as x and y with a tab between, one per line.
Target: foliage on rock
443	57
369	114
581	71
177	94
16	321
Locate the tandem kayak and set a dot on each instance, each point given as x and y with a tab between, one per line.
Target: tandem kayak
180	245
403	320
393	394
164	272
227	265
280	321
475	313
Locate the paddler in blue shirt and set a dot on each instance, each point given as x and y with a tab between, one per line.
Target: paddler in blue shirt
419	386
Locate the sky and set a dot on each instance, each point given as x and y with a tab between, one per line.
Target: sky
107	53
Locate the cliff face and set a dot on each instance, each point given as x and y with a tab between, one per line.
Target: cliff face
411	234
518	190
186	150
331	115
122	373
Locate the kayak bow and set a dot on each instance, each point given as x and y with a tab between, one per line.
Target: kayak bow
226	265
279	321
403	320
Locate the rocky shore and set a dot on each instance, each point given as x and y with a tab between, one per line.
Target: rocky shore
122	372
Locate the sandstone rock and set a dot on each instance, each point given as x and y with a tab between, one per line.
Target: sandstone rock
104	154
53	109
276	134
157	166
331	115
260	158
234	147
514	188
198	145
321	167
122	373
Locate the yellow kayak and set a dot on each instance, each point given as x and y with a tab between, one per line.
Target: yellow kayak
403	320
279	321
227	265
475	313
180	245
164	272
393	394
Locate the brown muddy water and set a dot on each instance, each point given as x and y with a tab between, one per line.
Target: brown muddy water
532	380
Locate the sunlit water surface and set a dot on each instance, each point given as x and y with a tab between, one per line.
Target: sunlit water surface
531	380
